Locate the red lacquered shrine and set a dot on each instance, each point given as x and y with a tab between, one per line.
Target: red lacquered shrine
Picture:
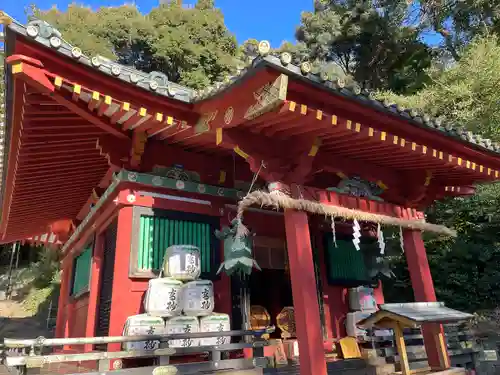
114	164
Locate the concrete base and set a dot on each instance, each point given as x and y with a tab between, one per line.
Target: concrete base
451	371
256	371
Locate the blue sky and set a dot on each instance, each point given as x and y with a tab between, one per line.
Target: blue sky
273	20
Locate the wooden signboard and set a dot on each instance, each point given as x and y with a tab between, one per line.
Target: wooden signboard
350	348
279	353
490	355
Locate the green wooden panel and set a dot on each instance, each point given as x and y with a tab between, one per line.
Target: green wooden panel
157	233
344	262
81	275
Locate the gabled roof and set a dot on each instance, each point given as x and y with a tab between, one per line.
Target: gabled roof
414	314
81	116
158	83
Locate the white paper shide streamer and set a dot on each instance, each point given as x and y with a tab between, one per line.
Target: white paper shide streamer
401	241
381	241
334	234
356	234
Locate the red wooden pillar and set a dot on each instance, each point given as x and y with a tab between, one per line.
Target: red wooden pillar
307	320
378	293
62	318
423	289
95	281
121	281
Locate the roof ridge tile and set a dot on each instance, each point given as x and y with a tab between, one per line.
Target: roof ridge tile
158	83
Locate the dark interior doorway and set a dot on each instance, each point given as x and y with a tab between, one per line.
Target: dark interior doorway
271	289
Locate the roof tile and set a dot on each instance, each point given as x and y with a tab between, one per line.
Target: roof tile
158	83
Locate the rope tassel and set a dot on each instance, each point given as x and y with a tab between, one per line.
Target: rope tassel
356	229
381	240
401	241
334	234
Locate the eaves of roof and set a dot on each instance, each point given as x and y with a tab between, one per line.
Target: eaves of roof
159	84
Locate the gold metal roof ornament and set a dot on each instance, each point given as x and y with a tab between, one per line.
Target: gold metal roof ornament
5	19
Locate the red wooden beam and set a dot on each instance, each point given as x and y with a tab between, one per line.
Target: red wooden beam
36	77
75	149
45	188
56	180
27	157
63	210
12	153
367	205
68	172
246	101
380	119
76	72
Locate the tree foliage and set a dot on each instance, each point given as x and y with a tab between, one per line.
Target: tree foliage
458	22
467	93
368	40
467	270
192	46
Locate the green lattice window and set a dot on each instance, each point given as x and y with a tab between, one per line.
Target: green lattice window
345	264
81	272
158	230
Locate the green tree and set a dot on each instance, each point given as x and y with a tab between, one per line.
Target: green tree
466	270
192	46
368	40
465	94
459	21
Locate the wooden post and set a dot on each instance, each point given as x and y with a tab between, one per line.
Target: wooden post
95	281
307	320
62	318
400	343
423	289
121	284
444	360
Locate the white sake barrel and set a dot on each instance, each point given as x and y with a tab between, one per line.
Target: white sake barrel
198	298
352	320
138	325
182	262
163	297
183	324
362	298
215	323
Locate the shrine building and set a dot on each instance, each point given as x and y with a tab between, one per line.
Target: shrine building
112	165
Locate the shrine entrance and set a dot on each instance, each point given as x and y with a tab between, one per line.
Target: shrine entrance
270	289
270	292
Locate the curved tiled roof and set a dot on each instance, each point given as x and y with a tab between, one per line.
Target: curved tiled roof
159	84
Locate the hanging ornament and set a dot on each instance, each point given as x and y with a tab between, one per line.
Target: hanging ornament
237	249
356	234
401	242
381	241
334	234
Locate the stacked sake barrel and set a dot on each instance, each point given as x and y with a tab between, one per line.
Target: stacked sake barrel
183	301
362	304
